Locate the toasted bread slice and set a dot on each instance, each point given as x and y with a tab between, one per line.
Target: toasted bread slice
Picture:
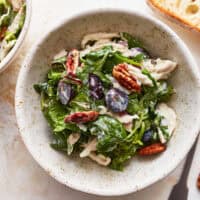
184	12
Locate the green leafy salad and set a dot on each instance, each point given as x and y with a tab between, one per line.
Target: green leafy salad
107	101
12	16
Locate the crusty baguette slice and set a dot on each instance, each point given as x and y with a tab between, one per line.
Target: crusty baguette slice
184	12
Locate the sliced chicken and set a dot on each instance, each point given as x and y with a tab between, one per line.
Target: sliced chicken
159	69
88	148
137	73
73	138
89	151
97	37
100	159
116	47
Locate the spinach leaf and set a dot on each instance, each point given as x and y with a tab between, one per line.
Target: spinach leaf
41	87
55	74
93	63
139	58
133	104
60	142
132	42
116	58
53	77
122	154
81	101
45	87
110	62
164	92
112	141
123	59
110	133
105	80
96	55
96	59
55	113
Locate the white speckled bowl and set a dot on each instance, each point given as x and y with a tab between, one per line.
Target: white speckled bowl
11	55
83	174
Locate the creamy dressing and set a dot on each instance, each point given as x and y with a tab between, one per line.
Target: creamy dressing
170	118
118	86
137	73
125	118
161	136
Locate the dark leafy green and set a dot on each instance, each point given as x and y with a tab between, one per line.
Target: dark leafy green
110	133
132	42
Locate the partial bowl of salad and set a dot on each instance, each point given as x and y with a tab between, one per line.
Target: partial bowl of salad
14	21
108	102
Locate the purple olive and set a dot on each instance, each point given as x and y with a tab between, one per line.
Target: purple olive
116	100
147	136
96	87
65	92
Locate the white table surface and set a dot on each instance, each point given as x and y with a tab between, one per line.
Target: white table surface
21	178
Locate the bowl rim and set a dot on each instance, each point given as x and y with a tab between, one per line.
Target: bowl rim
194	70
12	53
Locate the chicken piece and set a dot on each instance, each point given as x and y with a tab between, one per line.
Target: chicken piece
100	159
73	138
98	37
88	148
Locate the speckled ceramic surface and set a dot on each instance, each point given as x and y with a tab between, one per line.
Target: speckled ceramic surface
8	59
85	175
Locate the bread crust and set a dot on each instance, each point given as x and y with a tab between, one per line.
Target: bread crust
172	16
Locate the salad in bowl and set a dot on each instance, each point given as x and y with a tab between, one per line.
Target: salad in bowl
12	17
108	100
